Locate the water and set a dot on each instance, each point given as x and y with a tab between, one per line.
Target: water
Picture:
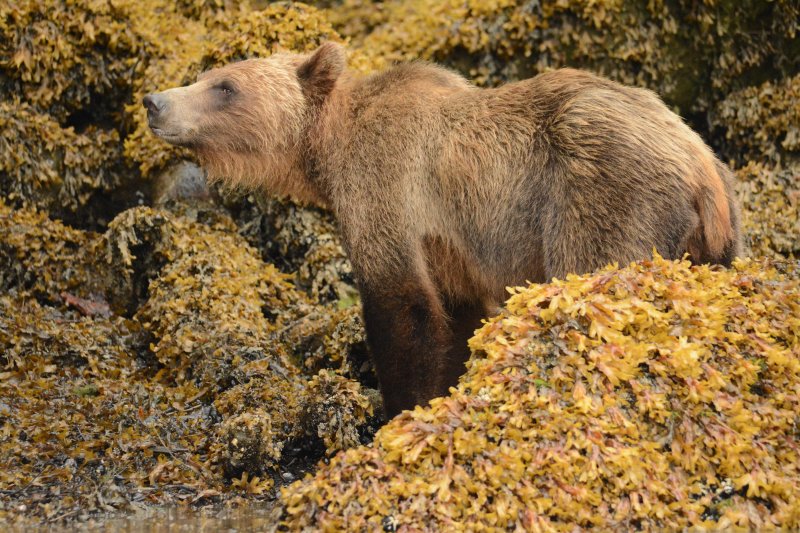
249	517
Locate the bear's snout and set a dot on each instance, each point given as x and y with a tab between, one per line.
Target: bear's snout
154	104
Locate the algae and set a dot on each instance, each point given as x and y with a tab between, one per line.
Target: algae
185	393
164	341
657	396
50	167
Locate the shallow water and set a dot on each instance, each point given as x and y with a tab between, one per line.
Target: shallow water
250	517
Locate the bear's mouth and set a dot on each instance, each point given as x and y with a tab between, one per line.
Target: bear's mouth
163	133
178	139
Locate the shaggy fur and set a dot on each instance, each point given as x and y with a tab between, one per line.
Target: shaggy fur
446	193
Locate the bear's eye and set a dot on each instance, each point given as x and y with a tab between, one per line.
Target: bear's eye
226	88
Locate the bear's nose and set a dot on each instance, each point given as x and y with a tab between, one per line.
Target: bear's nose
154	104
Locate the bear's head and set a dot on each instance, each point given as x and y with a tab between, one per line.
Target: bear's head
248	121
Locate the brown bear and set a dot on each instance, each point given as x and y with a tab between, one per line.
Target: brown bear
446	193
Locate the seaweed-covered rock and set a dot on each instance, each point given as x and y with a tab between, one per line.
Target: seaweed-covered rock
82	427
44	258
149	362
770	196
261	417
64	57
262	414
657	396
64	338
302	240
46	166
67	70
258	33
324	337
250	444
336	410
207	306
763	120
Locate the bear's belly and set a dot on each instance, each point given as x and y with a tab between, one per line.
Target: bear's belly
480	271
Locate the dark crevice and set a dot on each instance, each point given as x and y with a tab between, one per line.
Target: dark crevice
104	205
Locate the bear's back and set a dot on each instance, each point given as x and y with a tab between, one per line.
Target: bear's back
406	87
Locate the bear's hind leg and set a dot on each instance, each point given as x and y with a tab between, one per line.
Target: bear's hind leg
464	319
581	244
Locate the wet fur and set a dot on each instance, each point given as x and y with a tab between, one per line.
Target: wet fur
446	193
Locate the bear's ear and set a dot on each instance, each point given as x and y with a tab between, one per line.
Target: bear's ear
318	73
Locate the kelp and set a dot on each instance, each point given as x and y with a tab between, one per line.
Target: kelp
147	364
770	195
53	168
658	396
43	258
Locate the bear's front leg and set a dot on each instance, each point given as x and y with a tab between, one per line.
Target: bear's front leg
410	339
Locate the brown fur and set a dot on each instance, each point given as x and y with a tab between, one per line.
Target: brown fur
446	193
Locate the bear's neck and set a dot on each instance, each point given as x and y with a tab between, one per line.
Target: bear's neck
279	173
326	137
